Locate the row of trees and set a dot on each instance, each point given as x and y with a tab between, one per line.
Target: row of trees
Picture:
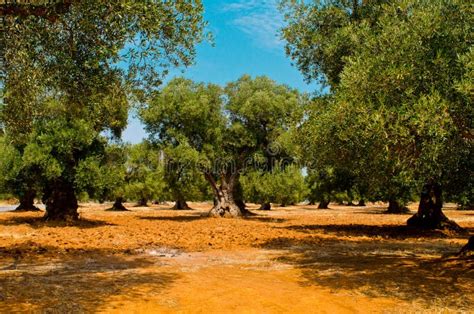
71	78
397	114
250	141
394	118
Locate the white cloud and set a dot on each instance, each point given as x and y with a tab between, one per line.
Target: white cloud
240	5
259	20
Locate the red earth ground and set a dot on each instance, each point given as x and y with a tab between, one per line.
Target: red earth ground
295	259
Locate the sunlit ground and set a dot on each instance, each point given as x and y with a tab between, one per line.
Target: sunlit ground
292	259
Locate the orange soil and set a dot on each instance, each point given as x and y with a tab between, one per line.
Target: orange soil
293	259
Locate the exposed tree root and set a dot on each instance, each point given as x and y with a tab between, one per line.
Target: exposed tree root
30	208
118	206
468	249
323	205
181	205
394	207
428	223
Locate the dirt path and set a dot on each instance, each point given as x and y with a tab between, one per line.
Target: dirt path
298	259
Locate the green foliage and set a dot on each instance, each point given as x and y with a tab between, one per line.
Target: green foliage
65	93
144	173
320	34
283	186
183	179
17	177
222	130
400	114
102	177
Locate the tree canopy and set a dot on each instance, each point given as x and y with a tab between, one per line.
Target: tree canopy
226	127
399	116
67	91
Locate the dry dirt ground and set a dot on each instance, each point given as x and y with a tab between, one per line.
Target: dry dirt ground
294	259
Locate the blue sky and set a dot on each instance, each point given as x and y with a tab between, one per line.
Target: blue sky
246	41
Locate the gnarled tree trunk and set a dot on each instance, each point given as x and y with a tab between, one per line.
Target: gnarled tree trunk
324	204
27	202
361	202
61	202
430	214
265	206
181	205
118	205
224	193
394	207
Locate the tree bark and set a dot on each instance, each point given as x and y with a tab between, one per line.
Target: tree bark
468	249
324	204
181	204
61	202
118	205
265	206
27	202
361	203
143	202
394	207
430	214
224	193
239	196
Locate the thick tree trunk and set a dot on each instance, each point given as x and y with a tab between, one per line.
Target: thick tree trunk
118	205
468	249
324	204
361	203
430	214
27	202
225	205
394	207
143	202
61	202
181	205
265	206
239	196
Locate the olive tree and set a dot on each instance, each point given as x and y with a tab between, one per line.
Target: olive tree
69	81
226	127
400	108
281	185
144	174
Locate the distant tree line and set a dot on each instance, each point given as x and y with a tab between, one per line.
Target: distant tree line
393	121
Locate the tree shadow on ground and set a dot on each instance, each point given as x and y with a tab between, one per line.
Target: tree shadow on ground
406	270
79	281
175	218
383	212
265	219
383	231
39	222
